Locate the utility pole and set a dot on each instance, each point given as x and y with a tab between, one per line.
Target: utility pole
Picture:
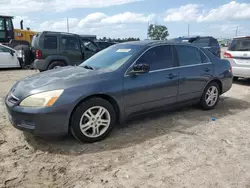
188	30
147	30
236	34
68	24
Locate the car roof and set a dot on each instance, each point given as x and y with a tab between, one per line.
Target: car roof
238	37
155	42
4	16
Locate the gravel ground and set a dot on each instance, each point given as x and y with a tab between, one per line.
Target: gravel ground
183	148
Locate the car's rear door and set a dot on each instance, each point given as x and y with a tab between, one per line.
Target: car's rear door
195	70
156	88
70	48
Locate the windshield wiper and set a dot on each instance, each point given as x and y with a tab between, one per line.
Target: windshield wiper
88	67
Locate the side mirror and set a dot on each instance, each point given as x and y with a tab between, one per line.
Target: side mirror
140	69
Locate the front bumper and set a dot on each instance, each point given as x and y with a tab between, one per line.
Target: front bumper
39	121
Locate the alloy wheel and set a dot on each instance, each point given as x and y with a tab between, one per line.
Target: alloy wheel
95	121
212	96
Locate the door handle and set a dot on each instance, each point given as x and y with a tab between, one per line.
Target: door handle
206	69
171	76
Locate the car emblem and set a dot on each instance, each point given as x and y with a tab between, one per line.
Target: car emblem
244	55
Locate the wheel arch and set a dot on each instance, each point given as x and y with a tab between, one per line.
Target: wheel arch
53	58
106	97
216	80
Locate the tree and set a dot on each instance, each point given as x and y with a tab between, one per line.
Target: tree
158	32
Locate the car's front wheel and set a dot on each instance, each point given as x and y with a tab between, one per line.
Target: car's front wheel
93	120
210	96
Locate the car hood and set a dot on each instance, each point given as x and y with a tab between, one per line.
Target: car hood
61	78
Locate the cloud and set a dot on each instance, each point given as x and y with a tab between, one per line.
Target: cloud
18	7
127	17
195	12
230	29
26	21
93	18
188	12
98	23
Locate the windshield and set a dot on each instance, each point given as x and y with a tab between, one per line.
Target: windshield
201	42
240	44
112	57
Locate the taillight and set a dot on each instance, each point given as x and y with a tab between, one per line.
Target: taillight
227	55
38	54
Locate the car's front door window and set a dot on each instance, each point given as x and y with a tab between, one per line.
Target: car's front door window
3	49
159	57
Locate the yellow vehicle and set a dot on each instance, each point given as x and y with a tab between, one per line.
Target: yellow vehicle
7	31
19	39
26	35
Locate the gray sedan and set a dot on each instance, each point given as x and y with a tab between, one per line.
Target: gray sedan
123	80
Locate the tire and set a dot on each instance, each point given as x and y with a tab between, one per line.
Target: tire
214	100
55	64
235	78
26	59
82	116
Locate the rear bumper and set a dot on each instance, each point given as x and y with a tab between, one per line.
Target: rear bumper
40	64
41	122
240	70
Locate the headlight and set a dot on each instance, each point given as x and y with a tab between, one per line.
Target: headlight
42	99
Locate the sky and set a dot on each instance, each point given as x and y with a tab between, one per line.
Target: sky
130	18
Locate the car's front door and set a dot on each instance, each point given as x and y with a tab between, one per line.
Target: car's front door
195	70
156	88
89	48
7	59
70	48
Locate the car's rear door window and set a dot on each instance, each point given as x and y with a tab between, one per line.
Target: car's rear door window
188	55
159	57
202	42
214	42
50	42
240	44
70	43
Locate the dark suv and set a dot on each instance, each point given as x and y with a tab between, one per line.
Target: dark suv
103	44
210	43
55	49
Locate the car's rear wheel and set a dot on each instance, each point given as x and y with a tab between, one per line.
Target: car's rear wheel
56	64
93	120
210	96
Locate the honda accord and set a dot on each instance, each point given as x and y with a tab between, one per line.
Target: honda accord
123	80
